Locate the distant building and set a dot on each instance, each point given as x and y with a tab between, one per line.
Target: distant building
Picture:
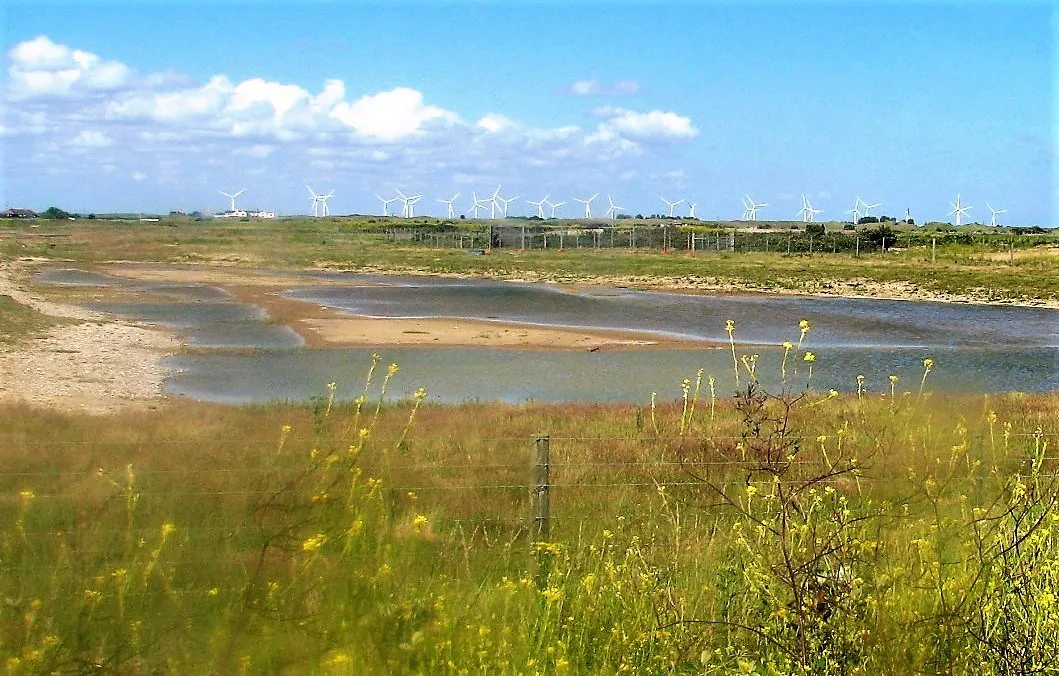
18	213
242	213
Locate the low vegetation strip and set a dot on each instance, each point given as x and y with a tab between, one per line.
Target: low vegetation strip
978	267
771	532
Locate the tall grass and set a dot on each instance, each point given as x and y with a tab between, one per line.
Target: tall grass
329	539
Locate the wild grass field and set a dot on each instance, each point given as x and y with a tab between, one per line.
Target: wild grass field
785	532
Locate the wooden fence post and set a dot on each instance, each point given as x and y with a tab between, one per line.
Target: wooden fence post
541	498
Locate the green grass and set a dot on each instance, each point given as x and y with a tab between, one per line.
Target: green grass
19	322
204	538
983	269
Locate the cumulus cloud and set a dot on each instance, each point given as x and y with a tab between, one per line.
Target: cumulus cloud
494	122
55	103
41	68
655	124
390	115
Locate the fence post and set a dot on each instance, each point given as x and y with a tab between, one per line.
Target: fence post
541	498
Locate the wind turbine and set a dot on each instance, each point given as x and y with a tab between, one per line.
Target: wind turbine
612	212
855	211
808	213
411	205
319	202
992	221
507	202
449	202
555	207
672	205
386	203
691	209
587	203
232	196
477	204
492	202
958	210
540	206
869	207
750	214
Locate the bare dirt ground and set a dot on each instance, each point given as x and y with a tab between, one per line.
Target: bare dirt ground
93	365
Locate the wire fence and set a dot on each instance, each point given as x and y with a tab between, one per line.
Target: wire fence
757	237
529	484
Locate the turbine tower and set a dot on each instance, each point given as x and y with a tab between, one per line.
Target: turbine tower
493	200
449	202
958	210
750	208
992	221
232	196
672	205
386	203
555	207
587	203
540	206
507	202
856	211
808	213
319	202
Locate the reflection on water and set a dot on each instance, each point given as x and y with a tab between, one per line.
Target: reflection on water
975	348
764	319
462	374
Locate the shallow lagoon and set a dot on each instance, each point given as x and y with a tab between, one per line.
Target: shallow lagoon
975	348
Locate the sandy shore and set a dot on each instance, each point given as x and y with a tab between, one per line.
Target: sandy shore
93	364
324	327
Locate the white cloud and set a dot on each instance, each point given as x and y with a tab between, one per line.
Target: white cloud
594	88
41	68
494	122
391	115
90	138
584	88
653	124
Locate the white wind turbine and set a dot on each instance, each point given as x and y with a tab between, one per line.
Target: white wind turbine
412	200
478	204
408	210
751	207
448	202
958	210
507	202
869	207
319	202
612	212
996	212
555	207
232	196
672	205
856	210
808	213
691	209
493	202
540	206
587	203
386	203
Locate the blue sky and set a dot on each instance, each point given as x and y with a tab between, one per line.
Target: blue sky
154	106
